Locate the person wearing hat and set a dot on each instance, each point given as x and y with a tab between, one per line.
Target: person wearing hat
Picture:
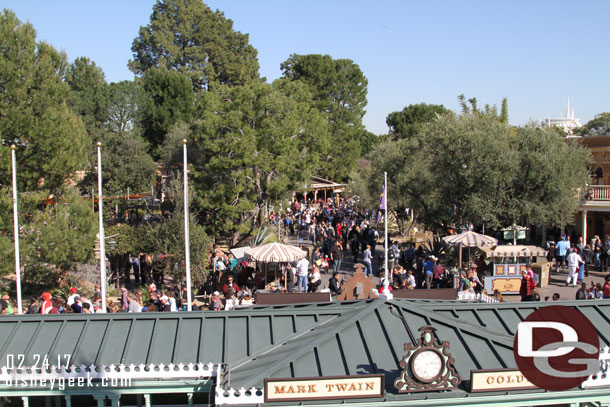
215	302
73	293
77	305
47	304
230	286
165	305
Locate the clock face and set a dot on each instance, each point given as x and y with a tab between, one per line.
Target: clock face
427	365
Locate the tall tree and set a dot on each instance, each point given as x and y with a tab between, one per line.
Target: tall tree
407	122
470	106
52	239
474	167
168	98
125	163
125	98
598	126
339	91
253	145
90	94
186	35
34	108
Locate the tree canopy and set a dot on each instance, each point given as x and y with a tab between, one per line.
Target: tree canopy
187	36
598	126
167	98
407	122
89	95
253	145
33	102
475	168
339	90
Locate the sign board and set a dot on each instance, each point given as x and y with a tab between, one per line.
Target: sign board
505	285
498	380
509	235
324	388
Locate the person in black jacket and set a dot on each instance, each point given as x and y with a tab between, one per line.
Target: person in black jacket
334	284
581	294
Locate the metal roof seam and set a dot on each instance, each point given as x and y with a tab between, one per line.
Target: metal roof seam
128	341
276	346
32	338
176	341
57	335
364	309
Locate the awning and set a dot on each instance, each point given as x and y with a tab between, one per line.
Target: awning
276	253
239	252
470	239
516	251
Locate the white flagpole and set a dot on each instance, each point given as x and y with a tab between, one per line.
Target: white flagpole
101	221
385	291
187	243
16	231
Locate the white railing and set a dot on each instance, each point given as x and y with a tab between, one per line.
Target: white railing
598	193
476	297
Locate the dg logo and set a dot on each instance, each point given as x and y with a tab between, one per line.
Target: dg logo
557	348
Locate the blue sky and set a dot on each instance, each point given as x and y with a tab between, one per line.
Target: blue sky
535	53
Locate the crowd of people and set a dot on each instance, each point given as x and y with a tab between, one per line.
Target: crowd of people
333	230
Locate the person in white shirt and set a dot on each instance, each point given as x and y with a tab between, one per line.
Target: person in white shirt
231	302
574	262
314	279
73	293
411	280
302	272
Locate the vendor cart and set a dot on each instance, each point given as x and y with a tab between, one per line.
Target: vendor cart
509	262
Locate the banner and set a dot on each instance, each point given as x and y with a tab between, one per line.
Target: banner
382	204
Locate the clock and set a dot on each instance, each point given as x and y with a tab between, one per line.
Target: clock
427	366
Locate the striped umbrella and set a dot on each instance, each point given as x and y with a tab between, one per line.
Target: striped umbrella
470	239
276	253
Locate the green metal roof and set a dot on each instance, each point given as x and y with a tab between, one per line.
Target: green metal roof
282	341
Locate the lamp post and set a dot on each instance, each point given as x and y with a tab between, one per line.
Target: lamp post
16	230
101	221
187	249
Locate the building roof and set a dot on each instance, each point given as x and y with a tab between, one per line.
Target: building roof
288	341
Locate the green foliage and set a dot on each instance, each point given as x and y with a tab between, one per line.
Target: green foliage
253	145
124	100
52	239
598	126
435	246
471	107
339	91
90	94
263	236
33	104
63	234
475	168
168	98
408	122
187	36
125	164
126	239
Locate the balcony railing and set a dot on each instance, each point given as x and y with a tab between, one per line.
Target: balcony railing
598	193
